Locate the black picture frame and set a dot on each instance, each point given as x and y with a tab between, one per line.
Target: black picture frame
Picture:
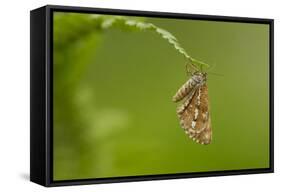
41	56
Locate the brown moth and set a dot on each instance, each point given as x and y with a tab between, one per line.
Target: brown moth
194	112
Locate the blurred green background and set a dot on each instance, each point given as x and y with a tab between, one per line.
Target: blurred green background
113	109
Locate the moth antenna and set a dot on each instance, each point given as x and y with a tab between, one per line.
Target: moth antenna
216	74
212	73
189	71
212	67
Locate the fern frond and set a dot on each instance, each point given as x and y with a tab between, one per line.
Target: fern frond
99	23
124	23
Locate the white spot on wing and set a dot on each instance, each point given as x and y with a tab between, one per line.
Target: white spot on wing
196	113
193	123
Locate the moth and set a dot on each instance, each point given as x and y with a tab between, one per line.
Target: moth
193	112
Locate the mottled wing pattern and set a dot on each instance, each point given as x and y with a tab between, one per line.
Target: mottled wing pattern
194	114
186	89
195	117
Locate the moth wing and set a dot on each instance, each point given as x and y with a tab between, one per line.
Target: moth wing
205	137
185	90
186	113
195	117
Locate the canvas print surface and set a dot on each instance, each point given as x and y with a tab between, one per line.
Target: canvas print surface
135	96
